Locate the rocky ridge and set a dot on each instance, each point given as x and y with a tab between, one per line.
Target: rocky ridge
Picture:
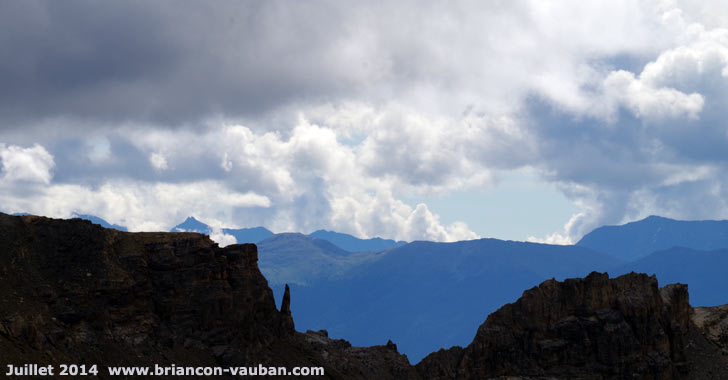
591	328
713	322
75	292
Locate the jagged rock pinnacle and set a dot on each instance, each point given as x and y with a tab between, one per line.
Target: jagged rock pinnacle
286	316
286	303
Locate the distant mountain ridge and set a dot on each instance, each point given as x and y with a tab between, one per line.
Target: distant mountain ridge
704	271
407	293
354	244
99	221
248	235
75	291
638	239
242	235
297	259
257	234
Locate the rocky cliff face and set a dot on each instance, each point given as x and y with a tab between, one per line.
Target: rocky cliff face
713	321
591	328
69	285
74	292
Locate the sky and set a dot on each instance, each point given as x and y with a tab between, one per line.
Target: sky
411	120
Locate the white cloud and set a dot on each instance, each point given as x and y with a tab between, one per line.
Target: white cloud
313	172
421	222
383	215
158	161
32	164
138	206
222	238
300	182
647	102
554	238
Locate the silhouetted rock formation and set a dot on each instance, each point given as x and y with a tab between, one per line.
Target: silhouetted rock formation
345	361
287	317
591	328
74	292
71	287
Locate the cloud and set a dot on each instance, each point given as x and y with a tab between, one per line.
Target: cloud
33	164
138	206
650	103
301	116
645	141
158	161
139	62
383	215
555	238
222	238
317	181
302	182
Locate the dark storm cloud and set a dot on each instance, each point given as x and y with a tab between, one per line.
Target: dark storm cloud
162	62
620	105
77	163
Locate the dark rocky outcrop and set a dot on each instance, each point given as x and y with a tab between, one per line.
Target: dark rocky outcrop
713	321
707	344
74	292
591	328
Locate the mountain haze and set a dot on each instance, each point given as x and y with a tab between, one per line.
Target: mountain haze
99	221
354	244
248	235
257	234
242	235
407	293
297	259
705	271
638	239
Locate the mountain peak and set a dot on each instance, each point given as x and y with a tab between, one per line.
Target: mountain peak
635	240
656	219
192	225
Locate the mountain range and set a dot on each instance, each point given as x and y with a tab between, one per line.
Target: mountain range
404	293
75	292
354	244
257	234
242	235
302	260
383	289
633	241
705	272
408	293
